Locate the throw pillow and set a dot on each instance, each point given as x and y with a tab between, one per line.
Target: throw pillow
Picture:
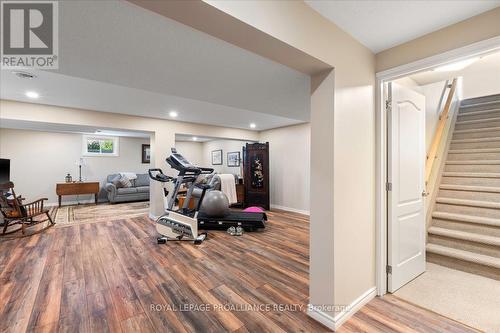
125	182
116	181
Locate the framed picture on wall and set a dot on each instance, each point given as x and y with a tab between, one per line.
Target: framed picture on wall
233	159
146	153
217	157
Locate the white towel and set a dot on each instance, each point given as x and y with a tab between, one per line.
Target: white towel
129	175
228	187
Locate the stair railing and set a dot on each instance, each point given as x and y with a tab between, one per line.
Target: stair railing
432	155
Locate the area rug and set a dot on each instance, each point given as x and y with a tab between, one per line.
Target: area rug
82	214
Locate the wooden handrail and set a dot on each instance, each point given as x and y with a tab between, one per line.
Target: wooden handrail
431	157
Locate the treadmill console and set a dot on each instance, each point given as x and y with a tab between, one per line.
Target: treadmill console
178	162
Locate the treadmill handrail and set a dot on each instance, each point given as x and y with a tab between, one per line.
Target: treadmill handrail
159	176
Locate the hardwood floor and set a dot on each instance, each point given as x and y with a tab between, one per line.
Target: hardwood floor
113	277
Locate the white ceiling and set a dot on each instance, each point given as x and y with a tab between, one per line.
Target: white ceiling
117	57
382	24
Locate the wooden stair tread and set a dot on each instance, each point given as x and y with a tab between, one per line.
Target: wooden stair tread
474	150
464	235
470	203
470	188
464	255
471	174
473	162
466	218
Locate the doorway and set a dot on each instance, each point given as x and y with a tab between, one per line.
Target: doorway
402	212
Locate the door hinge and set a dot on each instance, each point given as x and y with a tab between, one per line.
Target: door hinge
388	269
388	104
388	186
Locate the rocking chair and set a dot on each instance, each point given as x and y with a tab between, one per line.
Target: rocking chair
15	212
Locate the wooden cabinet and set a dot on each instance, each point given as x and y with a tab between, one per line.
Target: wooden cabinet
256	174
77	188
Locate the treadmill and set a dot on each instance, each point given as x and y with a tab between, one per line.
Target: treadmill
249	221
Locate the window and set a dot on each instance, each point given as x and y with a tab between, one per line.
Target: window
100	145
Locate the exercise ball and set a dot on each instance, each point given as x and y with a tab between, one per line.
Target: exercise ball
215	204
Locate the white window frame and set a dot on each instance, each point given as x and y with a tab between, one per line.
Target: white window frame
116	145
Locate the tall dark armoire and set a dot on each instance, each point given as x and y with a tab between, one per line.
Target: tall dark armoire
256	174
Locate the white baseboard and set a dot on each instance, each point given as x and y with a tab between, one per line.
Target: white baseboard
153	217
335	322
289	209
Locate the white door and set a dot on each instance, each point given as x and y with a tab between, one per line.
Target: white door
406	177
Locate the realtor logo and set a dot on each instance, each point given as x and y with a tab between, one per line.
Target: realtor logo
29	36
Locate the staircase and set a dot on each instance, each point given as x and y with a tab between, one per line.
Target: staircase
465	228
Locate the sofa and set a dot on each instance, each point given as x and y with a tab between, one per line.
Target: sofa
137	192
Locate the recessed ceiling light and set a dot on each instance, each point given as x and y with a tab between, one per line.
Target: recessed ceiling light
195	138
173	114
253	125
456	66
24	75
32	94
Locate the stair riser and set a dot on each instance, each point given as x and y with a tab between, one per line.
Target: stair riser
467	227
465	110
475	145
468	210
495	182
469	195
474	135
490	272
472	156
481	99
467	126
486	115
472	168
461	244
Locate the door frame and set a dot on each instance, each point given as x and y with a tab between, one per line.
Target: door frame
381	216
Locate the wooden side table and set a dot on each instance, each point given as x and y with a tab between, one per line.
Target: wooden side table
77	188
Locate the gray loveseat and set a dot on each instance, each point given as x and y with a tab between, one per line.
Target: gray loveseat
139	190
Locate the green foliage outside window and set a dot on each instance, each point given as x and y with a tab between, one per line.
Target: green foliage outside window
100	146
107	146
93	146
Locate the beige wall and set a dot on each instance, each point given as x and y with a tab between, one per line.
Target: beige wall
39	160
481	80
433	108
289	160
472	30
409	83
226	146
192	151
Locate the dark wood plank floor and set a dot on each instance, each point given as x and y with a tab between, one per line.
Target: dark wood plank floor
113	277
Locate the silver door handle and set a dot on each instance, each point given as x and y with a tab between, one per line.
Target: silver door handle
425	193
